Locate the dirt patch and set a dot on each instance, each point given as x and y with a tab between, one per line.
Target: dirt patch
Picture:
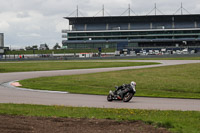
26	124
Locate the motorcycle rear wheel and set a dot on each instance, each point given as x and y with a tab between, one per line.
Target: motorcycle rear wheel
109	98
127	97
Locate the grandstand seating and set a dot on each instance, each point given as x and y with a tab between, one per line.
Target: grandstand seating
118	26
79	27
91	27
162	25
138	26
135	26
184	25
198	24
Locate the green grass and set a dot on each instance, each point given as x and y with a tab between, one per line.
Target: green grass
53	65
175	121
180	81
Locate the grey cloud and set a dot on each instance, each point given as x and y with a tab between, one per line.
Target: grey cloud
23	14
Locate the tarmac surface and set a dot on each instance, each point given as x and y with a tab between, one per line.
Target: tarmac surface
10	94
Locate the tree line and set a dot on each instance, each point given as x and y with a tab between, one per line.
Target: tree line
42	47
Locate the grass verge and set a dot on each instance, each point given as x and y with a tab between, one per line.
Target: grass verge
52	65
180	81
176	121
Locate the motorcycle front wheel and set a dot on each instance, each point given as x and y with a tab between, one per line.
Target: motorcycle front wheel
109	98
127	97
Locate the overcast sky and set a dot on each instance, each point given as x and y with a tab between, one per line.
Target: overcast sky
33	22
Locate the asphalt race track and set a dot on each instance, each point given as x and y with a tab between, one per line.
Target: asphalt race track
12	95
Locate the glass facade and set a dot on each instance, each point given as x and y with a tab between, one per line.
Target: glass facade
105	35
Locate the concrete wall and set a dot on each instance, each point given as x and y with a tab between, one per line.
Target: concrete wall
1	40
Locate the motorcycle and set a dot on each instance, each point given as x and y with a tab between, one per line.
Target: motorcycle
126	92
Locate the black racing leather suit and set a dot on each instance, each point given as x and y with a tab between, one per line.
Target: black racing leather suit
121	90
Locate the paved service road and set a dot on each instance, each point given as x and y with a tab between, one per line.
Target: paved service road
13	95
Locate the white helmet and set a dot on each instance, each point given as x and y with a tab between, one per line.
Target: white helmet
133	84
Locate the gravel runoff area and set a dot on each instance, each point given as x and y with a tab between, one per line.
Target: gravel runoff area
24	124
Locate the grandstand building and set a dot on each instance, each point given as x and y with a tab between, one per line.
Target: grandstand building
153	31
1	40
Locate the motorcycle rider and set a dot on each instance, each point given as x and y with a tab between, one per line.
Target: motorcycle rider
132	85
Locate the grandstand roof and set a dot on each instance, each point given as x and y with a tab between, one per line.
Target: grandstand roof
126	19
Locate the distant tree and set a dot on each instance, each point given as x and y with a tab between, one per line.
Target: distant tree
47	47
21	49
44	47
35	47
28	48
57	46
